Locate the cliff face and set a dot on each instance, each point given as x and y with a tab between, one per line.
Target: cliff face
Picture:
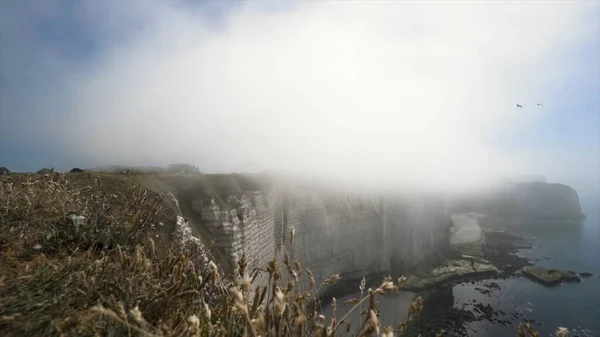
252	225
334	234
530	200
419	229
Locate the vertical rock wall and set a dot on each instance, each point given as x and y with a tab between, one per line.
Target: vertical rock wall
350	235
248	227
419	228
335	235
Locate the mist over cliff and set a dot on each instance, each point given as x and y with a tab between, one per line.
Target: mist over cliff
400	95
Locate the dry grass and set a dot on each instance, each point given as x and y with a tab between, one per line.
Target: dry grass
114	277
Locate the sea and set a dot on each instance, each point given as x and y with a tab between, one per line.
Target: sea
575	306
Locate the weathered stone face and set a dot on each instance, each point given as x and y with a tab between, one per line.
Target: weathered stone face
246	228
335	234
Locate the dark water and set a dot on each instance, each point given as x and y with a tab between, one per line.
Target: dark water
574	305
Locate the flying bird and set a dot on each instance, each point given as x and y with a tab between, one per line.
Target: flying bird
540	104
519	106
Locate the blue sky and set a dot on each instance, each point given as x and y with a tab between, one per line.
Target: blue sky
333	75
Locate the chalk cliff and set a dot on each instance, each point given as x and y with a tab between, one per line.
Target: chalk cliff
353	236
337	232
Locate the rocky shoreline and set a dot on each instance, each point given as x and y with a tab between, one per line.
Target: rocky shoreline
495	258
499	260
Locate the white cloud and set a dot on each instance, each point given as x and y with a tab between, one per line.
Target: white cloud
393	91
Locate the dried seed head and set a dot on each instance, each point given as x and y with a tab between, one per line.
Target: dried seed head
213	267
137	314
298	266
300	320
374	321
259	325
207	312
194	321
363	284
331	279
352	301
242	263
280	303
388	332
385	286
419	305
311	279
236	294
334	305
246	282
238	300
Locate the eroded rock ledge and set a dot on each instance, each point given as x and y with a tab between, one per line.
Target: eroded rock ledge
550	276
450	271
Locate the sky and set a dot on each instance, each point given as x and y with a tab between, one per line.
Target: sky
384	92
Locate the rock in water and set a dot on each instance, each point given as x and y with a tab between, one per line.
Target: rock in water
454	269
550	276
586	274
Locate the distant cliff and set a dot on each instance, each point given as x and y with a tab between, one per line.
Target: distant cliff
526	200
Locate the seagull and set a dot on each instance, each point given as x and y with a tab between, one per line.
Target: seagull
540	104
519	106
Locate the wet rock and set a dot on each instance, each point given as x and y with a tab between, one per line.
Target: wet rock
452	270
550	276
586	274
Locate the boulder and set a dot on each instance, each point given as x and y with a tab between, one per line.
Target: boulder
4	170
550	276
